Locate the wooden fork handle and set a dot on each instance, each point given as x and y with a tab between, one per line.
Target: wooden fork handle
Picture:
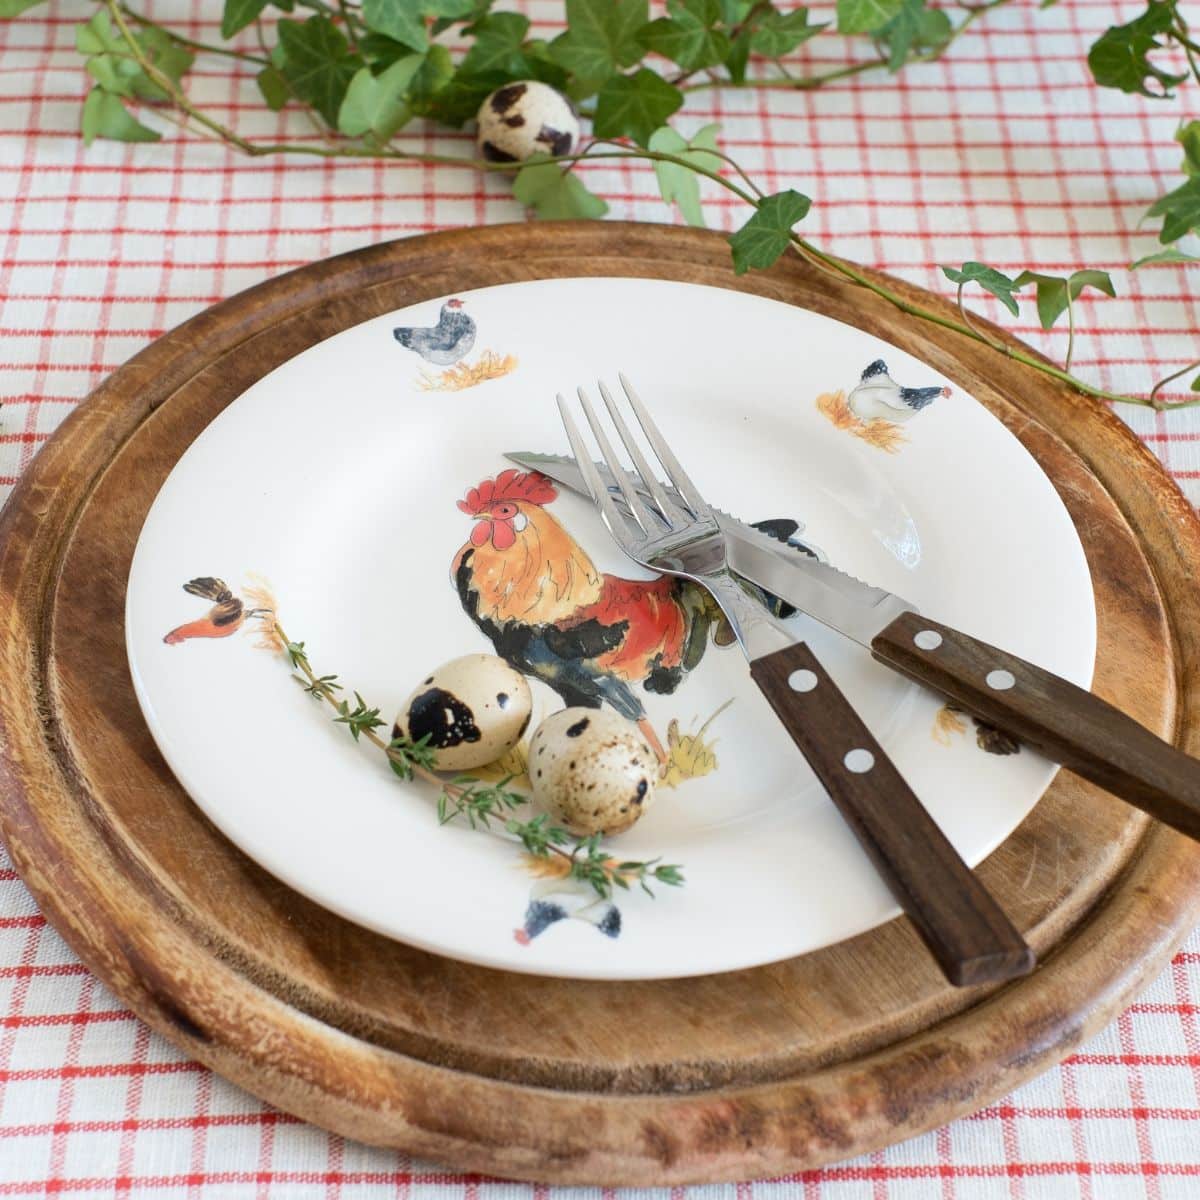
966	930
1063	721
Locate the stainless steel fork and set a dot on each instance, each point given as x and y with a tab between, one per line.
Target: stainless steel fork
676	534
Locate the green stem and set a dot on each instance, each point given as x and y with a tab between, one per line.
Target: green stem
191	43
1162	383
1070	332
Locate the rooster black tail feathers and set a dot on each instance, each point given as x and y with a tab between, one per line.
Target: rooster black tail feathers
209	589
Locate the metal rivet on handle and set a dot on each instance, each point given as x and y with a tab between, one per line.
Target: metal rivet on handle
859	761
928	639
802	681
1000	681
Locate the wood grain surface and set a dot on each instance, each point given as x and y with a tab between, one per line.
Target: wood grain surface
961	922
734	1076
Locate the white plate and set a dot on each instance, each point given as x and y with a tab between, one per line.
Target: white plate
336	479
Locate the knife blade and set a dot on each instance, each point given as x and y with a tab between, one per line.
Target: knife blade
791	572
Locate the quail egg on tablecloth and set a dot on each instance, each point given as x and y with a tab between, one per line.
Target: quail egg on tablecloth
526	118
592	769
472	709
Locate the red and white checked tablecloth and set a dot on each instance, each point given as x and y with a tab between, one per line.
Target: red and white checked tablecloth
1004	152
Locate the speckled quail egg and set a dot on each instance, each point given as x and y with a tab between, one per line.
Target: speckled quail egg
526	118
472	709
592	770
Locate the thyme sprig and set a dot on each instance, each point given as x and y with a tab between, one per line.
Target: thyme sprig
476	801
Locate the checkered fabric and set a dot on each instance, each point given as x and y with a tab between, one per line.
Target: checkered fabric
1003	152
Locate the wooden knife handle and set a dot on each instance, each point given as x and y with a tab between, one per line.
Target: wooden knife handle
967	931
1064	722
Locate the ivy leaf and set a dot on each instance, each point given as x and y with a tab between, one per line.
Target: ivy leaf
914	26
318	63
1054	291
635	105
99	37
14	8
112	65
402	20
764	238
988	278
105	116
687	35
498	44
1119	58
433	76
677	184
274	87
377	104
600	39
1188	136
777	34
865	16
240	13
1170	255
459	99
1180	210
555	194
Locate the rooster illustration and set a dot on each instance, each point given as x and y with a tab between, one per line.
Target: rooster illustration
549	613
446	342
225	617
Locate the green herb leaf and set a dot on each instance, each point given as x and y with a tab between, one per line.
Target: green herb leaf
1053	291
777	34
601	38
555	194
498	44
402	20
677	184
240	13
688	36
105	116
1170	255
275	89
635	105
318	63
1188	136
865	16
99	37
988	278
14	8
1119	58
766	236
1180	210
377	104
914	27
435	73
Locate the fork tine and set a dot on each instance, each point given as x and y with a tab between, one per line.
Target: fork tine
675	473
591	477
638	509
669	509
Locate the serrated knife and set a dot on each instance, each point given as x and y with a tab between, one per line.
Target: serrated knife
1061	720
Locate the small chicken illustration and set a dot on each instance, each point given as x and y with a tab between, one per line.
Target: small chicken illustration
225	617
878	395
555	900
444	343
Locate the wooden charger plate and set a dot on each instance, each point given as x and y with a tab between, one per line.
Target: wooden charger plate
743	1075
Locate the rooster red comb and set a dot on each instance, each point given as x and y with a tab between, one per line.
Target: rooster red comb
512	484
